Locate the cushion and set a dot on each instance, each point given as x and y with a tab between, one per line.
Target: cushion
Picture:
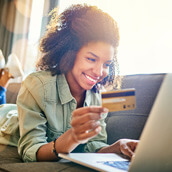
8	154
11	161
12	92
129	124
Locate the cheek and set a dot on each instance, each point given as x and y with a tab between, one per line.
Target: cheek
105	72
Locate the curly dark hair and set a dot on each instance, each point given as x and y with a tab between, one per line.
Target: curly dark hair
70	31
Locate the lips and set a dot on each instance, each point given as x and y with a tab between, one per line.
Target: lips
93	80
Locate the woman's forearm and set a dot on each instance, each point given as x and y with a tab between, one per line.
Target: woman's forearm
122	146
64	144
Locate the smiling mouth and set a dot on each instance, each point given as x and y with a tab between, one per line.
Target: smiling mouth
91	79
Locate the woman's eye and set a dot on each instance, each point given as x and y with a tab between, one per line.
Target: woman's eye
107	65
91	59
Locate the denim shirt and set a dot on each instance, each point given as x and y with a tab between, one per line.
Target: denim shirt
2	95
45	107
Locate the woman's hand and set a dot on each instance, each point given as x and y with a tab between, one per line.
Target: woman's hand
5	76
128	146
123	146
85	123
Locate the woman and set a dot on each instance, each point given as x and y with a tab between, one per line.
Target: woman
4	78
8	71
59	106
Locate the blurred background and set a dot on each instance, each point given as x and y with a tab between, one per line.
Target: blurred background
145	28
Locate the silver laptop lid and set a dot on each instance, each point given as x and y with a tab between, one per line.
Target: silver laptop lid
154	152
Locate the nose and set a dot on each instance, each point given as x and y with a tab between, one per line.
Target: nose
98	70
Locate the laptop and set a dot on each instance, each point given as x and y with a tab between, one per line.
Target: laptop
153	153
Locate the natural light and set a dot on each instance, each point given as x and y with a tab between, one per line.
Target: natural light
145	33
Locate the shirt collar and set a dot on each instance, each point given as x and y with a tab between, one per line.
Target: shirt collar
63	89
65	94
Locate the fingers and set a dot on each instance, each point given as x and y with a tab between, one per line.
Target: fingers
133	144
90	109
127	151
86	127
78	120
5	74
4	77
1	72
85	124
85	136
86	114
128	147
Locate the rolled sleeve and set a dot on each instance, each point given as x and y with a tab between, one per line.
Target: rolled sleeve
2	95
94	146
30	155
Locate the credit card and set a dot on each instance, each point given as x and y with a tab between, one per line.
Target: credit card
119	100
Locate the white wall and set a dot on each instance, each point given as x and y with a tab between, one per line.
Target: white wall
145	33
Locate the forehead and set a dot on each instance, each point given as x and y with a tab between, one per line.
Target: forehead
100	49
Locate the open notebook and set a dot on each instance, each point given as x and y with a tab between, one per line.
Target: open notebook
154	152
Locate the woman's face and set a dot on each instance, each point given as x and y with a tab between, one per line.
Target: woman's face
91	65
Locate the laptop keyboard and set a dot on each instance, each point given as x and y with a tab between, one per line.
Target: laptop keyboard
122	165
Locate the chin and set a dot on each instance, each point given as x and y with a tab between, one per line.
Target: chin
88	87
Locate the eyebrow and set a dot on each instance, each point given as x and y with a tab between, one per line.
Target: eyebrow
93	54
97	56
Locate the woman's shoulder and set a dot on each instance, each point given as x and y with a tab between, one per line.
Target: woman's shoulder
40	76
42	86
39	81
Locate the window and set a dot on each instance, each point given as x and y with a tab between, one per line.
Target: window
22	23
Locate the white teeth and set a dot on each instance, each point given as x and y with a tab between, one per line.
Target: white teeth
91	79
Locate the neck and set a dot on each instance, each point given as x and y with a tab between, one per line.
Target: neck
79	97
77	92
